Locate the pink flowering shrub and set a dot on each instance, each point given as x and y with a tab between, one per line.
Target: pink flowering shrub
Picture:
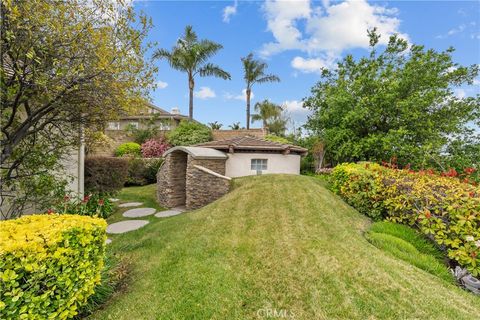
154	148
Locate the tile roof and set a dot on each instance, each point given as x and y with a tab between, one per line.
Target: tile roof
252	144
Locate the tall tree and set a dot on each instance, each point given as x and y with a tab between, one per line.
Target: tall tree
190	55
64	65
272	117
396	103
254	72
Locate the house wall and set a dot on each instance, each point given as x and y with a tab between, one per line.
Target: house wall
239	164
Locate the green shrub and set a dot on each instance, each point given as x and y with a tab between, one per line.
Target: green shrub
49	265
105	175
188	133
443	208
142	171
128	149
93	205
274	138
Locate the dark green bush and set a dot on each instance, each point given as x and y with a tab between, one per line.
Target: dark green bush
188	133
105	175
142	171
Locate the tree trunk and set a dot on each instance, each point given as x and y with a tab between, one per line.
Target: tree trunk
248	108
191	86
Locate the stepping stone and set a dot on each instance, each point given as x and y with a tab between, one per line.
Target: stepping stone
126	226
108	241
139	212
114	199
130	204
169	213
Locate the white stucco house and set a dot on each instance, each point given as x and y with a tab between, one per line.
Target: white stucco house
249	155
194	176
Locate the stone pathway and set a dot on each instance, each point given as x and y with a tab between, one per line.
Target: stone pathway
139	212
125	226
130	204
170	213
130	225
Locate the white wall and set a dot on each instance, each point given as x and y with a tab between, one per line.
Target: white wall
238	164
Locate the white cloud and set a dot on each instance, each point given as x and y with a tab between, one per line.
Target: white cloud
476	82
328	28
161	84
229	11
451	32
242	96
205	93
295	110
312	65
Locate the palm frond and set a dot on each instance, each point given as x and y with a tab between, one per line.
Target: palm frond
268	78
213	70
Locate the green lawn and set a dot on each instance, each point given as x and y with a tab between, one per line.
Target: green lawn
274	242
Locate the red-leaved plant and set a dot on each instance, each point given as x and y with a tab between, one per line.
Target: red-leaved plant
154	148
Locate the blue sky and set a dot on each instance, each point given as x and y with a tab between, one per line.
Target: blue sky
296	38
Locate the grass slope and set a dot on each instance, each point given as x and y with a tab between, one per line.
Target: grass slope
275	242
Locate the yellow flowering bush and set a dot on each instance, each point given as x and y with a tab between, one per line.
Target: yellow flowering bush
443	208
49	265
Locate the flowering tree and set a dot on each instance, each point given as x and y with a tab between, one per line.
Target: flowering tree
154	148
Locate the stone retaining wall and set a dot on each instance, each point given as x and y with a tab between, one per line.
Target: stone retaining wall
203	187
171	180
181	183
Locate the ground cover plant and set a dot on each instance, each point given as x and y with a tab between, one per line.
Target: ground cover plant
442	207
409	245
309	257
49	265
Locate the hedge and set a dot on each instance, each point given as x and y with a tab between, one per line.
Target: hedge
105	174
443	208
128	149
142	171
49	265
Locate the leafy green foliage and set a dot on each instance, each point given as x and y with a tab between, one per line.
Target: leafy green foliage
49	265
93	205
396	103
405	243
128	149
272	117
105	175
142	171
71	64
274	138
443	208
188	133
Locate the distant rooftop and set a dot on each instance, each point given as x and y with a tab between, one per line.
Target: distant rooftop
151	109
249	143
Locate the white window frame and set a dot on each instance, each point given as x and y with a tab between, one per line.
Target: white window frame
259	164
134	124
114	125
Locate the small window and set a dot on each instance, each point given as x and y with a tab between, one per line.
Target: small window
114	126
259	164
134	125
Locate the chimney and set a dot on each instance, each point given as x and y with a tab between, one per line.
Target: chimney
175	111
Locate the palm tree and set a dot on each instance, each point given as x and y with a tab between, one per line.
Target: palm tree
190	55
266	111
215	125
254	72
235	126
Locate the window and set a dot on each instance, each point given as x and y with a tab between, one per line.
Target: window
259	164
114	126
134	125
